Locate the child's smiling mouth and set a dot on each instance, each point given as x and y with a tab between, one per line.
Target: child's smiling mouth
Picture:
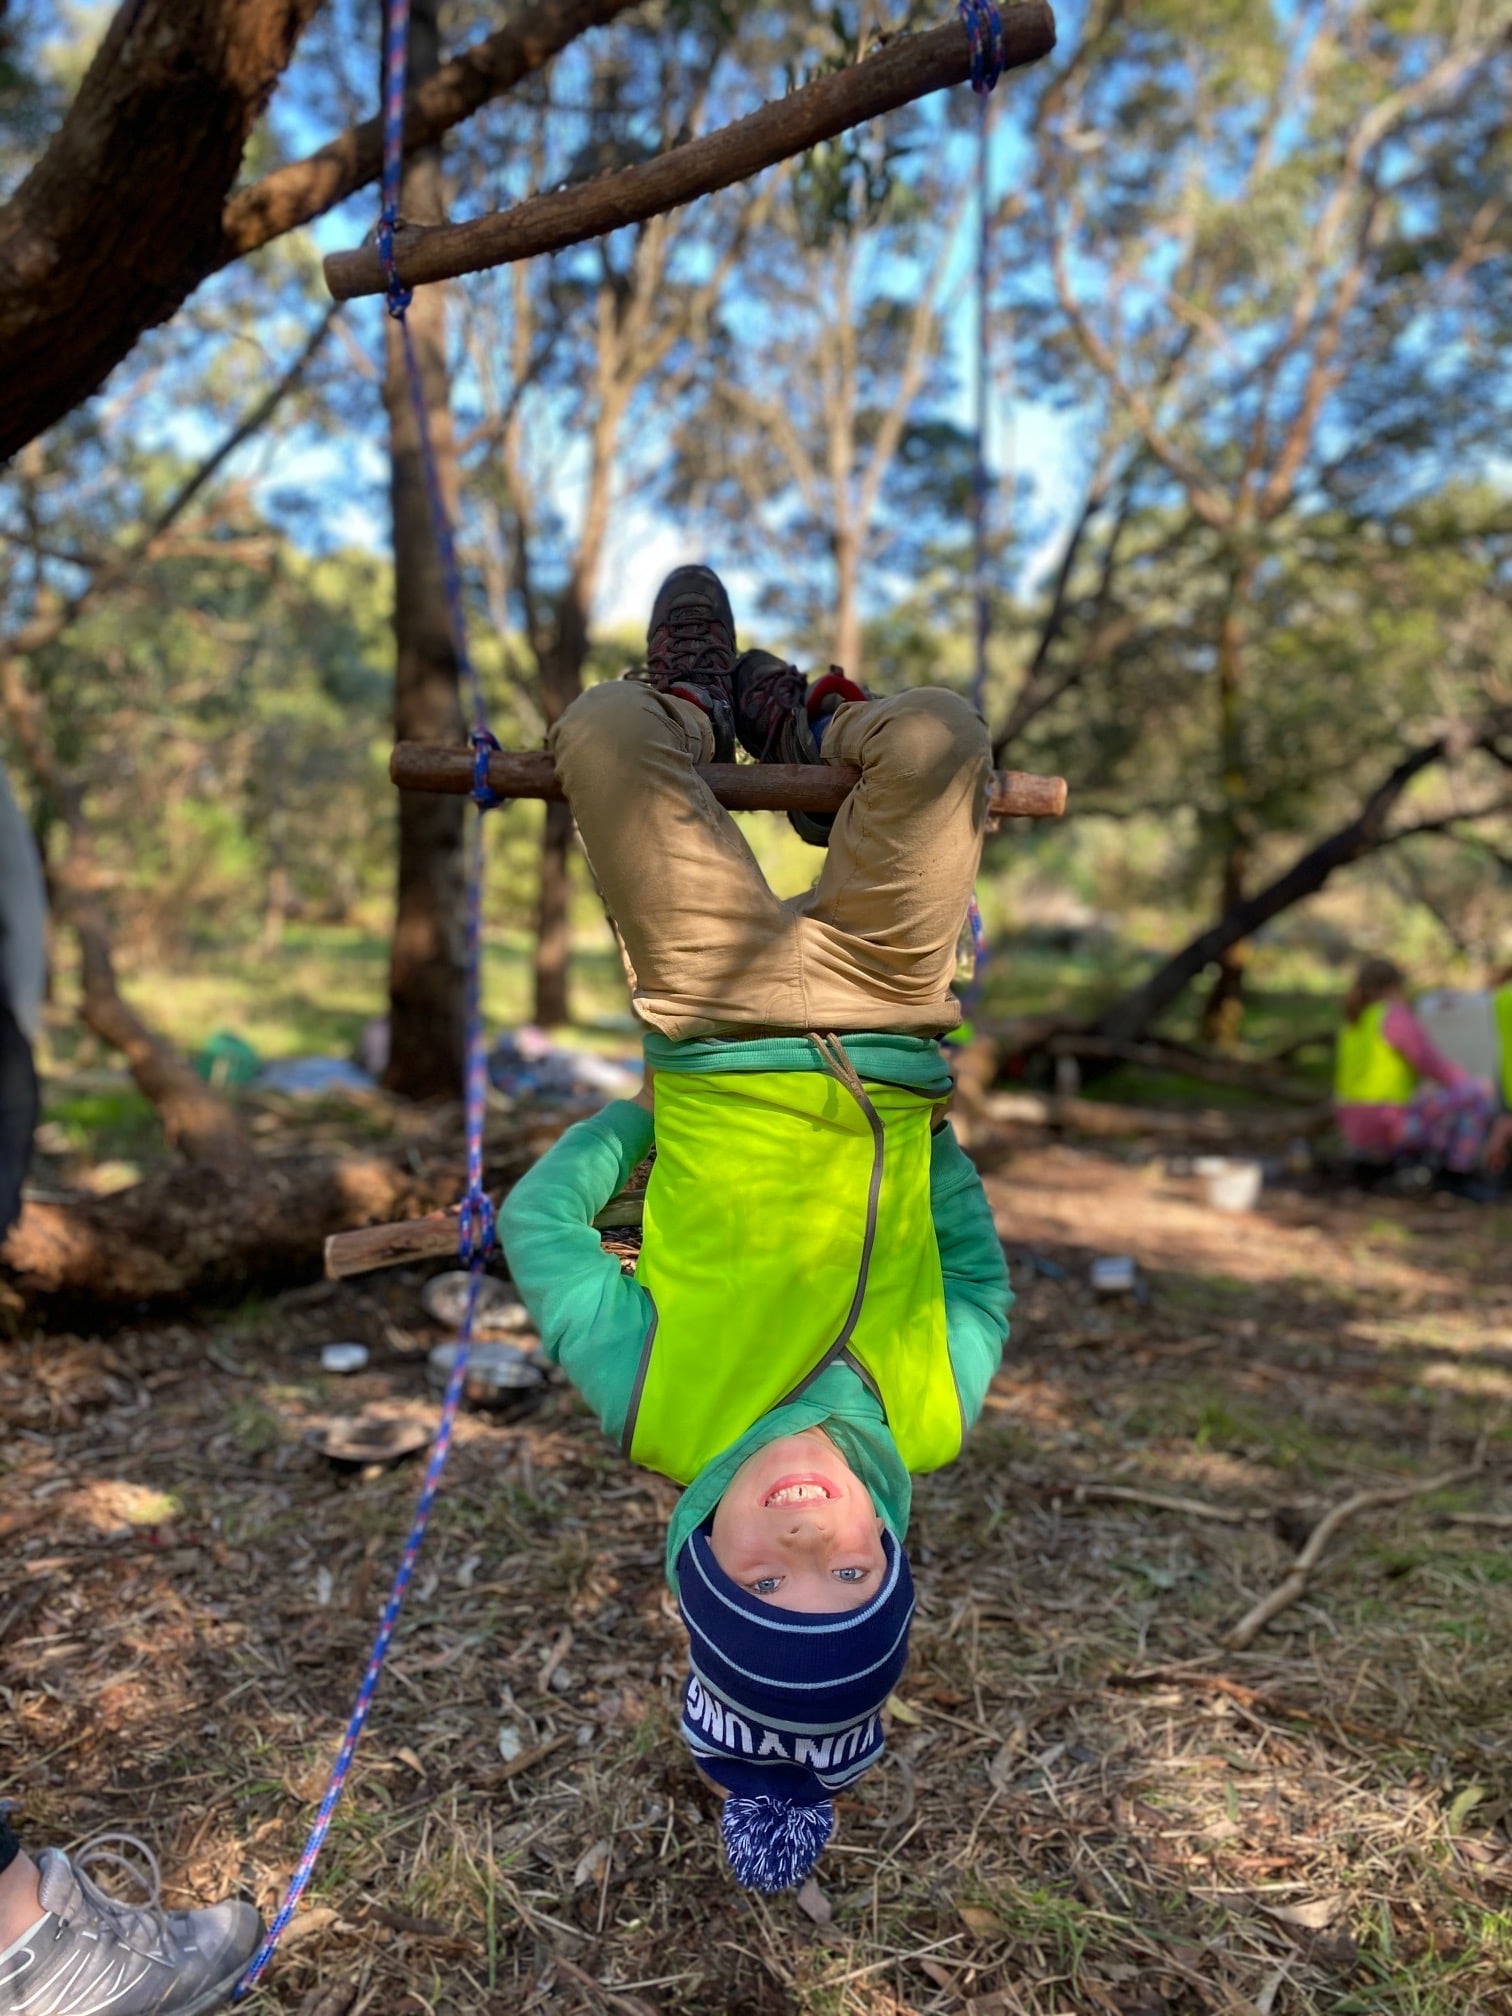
799	1491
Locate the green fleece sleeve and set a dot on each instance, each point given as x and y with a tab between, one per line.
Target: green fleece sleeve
592	1317
977	1294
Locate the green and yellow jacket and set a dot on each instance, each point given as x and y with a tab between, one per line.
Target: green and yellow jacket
818	1252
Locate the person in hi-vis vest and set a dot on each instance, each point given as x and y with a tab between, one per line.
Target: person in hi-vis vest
821	1298
1397	1095
1501	1014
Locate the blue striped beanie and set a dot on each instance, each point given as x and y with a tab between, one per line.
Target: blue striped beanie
782	1708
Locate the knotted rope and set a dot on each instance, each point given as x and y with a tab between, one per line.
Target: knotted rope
477	1210
984	24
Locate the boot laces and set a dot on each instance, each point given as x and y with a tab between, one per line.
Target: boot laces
132	1858
689	644
772	700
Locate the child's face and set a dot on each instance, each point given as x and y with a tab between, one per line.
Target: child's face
797	1527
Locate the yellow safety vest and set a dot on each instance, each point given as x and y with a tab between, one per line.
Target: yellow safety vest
1369	1071
788	1224
1501	1004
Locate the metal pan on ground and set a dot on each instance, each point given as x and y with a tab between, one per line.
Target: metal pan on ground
500	1378
373	1439
500	1312
343	1358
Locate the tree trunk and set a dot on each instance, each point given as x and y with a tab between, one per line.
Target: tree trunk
1223	1011
561	682
846	649
426	968
1133	1013
553	942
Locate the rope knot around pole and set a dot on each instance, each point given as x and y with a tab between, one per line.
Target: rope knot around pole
476	1231
984	24
483	794
397	296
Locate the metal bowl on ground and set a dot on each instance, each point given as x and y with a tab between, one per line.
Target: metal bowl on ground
371	1439
500	1311
500	1379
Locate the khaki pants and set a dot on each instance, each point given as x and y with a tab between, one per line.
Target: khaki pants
710	949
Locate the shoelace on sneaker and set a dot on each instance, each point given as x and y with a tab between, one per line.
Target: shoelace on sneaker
116	1850
689	643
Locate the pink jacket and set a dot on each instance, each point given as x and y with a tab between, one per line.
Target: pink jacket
1376	1131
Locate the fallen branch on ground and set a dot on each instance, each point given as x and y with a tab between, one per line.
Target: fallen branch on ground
1288	1591
189	1231
1105	1120
1261	1079
1124	1494
1253	1698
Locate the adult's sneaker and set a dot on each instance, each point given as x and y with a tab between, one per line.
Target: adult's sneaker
91	1953
780	718
690	649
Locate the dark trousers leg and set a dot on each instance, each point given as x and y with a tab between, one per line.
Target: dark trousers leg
18	1115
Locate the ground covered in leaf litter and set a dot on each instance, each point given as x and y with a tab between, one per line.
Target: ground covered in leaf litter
1089	1804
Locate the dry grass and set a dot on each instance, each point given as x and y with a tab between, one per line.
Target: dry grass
1088	1806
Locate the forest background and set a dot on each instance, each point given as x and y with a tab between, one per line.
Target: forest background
1247	520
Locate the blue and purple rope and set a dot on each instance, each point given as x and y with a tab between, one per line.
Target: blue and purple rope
477	1211
984	24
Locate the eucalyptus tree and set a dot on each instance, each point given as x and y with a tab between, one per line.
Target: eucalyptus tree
1269	247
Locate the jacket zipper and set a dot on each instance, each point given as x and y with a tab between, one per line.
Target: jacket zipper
841	1067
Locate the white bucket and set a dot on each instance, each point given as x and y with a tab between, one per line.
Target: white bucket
1230	1185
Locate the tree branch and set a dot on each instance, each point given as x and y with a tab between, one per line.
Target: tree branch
303	190
907	68
1132	1013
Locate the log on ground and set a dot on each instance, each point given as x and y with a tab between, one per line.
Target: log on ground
184	1232
1101	1120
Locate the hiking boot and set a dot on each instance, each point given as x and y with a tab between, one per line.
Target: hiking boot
690	649
780	719
89	1952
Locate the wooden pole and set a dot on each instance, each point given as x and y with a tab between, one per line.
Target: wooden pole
904	69
438	1234
743	787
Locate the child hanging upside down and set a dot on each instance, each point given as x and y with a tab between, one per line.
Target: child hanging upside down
821	1297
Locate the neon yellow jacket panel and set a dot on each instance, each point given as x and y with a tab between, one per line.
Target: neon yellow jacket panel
1369	1071
822	1247
1501	1002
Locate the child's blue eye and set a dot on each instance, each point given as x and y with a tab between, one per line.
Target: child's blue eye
852	1574
767	1586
